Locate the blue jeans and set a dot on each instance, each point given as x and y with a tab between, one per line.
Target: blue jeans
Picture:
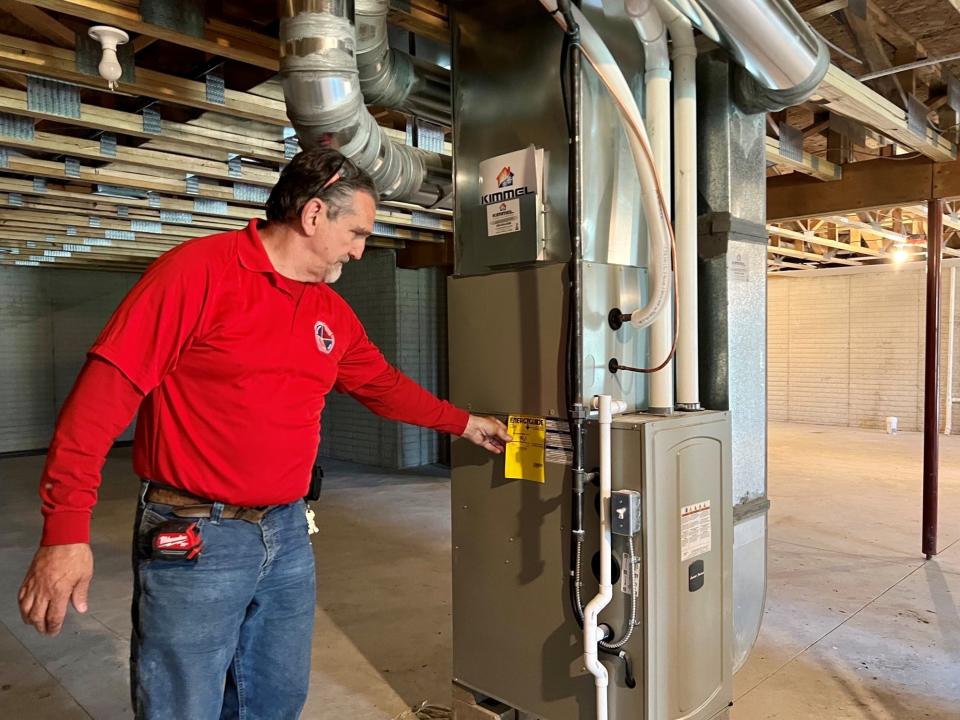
227	636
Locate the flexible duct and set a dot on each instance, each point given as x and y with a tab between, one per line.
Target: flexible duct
783	59
322	91
391	78
651	194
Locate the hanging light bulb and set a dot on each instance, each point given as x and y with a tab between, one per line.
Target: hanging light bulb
109	38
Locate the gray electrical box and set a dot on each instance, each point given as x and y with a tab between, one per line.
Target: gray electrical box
515	637
626	512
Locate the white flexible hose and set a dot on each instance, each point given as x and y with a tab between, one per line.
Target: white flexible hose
651	195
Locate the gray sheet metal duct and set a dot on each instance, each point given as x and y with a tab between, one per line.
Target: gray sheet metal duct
783	59
321	86
392	78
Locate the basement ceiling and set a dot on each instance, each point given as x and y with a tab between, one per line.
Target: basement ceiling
190	143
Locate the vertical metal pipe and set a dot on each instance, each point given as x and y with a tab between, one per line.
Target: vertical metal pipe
951	321
931	395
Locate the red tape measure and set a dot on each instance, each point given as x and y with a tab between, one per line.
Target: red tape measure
177	540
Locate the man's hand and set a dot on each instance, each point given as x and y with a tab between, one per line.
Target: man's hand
58	574
487	432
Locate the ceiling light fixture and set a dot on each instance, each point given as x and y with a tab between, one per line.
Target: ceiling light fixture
109	38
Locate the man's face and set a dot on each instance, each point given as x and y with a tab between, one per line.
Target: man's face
338	241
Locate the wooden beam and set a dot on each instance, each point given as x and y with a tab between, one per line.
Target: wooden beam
422	17
141	158
142	42
222	40
802	255
868	228
399	215
826	242
192	139
828	8
877	183
32	17
871	51
108	176
38	59
810	165
844	95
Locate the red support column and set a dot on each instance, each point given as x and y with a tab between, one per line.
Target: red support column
931	394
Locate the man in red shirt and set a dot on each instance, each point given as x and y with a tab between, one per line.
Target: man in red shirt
225	348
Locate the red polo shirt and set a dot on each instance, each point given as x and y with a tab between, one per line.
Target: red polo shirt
233	362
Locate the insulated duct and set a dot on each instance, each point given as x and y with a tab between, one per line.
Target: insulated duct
321	87
392	78
783	59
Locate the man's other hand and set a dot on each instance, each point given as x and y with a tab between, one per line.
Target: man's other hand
488	433
57	575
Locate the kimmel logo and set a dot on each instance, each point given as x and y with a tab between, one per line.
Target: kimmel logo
509	194
505	177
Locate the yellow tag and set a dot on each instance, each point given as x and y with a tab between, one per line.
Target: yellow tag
525	455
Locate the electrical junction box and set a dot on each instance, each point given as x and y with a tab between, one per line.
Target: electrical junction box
625	512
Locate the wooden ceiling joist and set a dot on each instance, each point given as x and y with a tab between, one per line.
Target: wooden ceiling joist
26	188
152	159
844	95
810	164
186	138
826	242
34	58
219	39
31	16
803	255
137	181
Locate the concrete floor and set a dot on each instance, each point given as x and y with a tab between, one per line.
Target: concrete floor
857	624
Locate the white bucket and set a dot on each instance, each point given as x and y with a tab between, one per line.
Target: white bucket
891	425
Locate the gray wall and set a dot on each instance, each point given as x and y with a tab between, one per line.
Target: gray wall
404	313
50	317
48	320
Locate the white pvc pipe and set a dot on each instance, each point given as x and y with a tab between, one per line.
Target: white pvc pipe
948	414
591	613
653	34
655	209
685	211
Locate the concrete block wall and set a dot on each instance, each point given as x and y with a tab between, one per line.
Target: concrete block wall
847	348
48	320
404	314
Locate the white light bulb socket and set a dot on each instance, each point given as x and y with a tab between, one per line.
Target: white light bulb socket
109	38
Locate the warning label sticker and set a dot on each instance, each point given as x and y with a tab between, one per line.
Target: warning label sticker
695	531
525	454
630	577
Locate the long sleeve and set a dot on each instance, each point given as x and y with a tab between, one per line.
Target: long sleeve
102	403
367	376
393	395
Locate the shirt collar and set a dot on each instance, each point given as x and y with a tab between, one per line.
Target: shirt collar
250	248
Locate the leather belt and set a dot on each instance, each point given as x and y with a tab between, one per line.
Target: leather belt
184	504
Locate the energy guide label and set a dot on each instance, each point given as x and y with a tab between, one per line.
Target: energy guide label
695	530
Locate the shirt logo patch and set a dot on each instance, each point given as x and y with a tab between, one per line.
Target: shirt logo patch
324	337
